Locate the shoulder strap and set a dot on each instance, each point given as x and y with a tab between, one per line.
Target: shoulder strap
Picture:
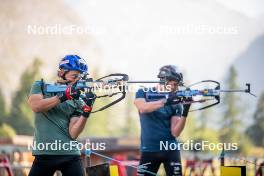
145	93
42	85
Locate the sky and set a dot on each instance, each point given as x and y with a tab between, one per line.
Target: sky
202	37
250	8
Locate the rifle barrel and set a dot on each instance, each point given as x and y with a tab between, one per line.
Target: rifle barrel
233	90
138	82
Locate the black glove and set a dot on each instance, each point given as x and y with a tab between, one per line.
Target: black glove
89	101
70	93
186	107
86	111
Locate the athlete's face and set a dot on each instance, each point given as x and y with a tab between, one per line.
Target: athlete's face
172	86
72	76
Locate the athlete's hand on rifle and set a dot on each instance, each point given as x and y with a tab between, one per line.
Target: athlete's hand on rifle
89	101
186	106
172	99
187	101
70	93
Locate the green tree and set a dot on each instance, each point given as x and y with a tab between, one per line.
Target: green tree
198	130
231	130
2	108
98	124
204	118
21	116
131	127
118	120
5	130
230	122
189	131
204	131
256	130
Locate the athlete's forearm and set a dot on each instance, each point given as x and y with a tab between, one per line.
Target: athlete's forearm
38	104
77	127
178	127
146	107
